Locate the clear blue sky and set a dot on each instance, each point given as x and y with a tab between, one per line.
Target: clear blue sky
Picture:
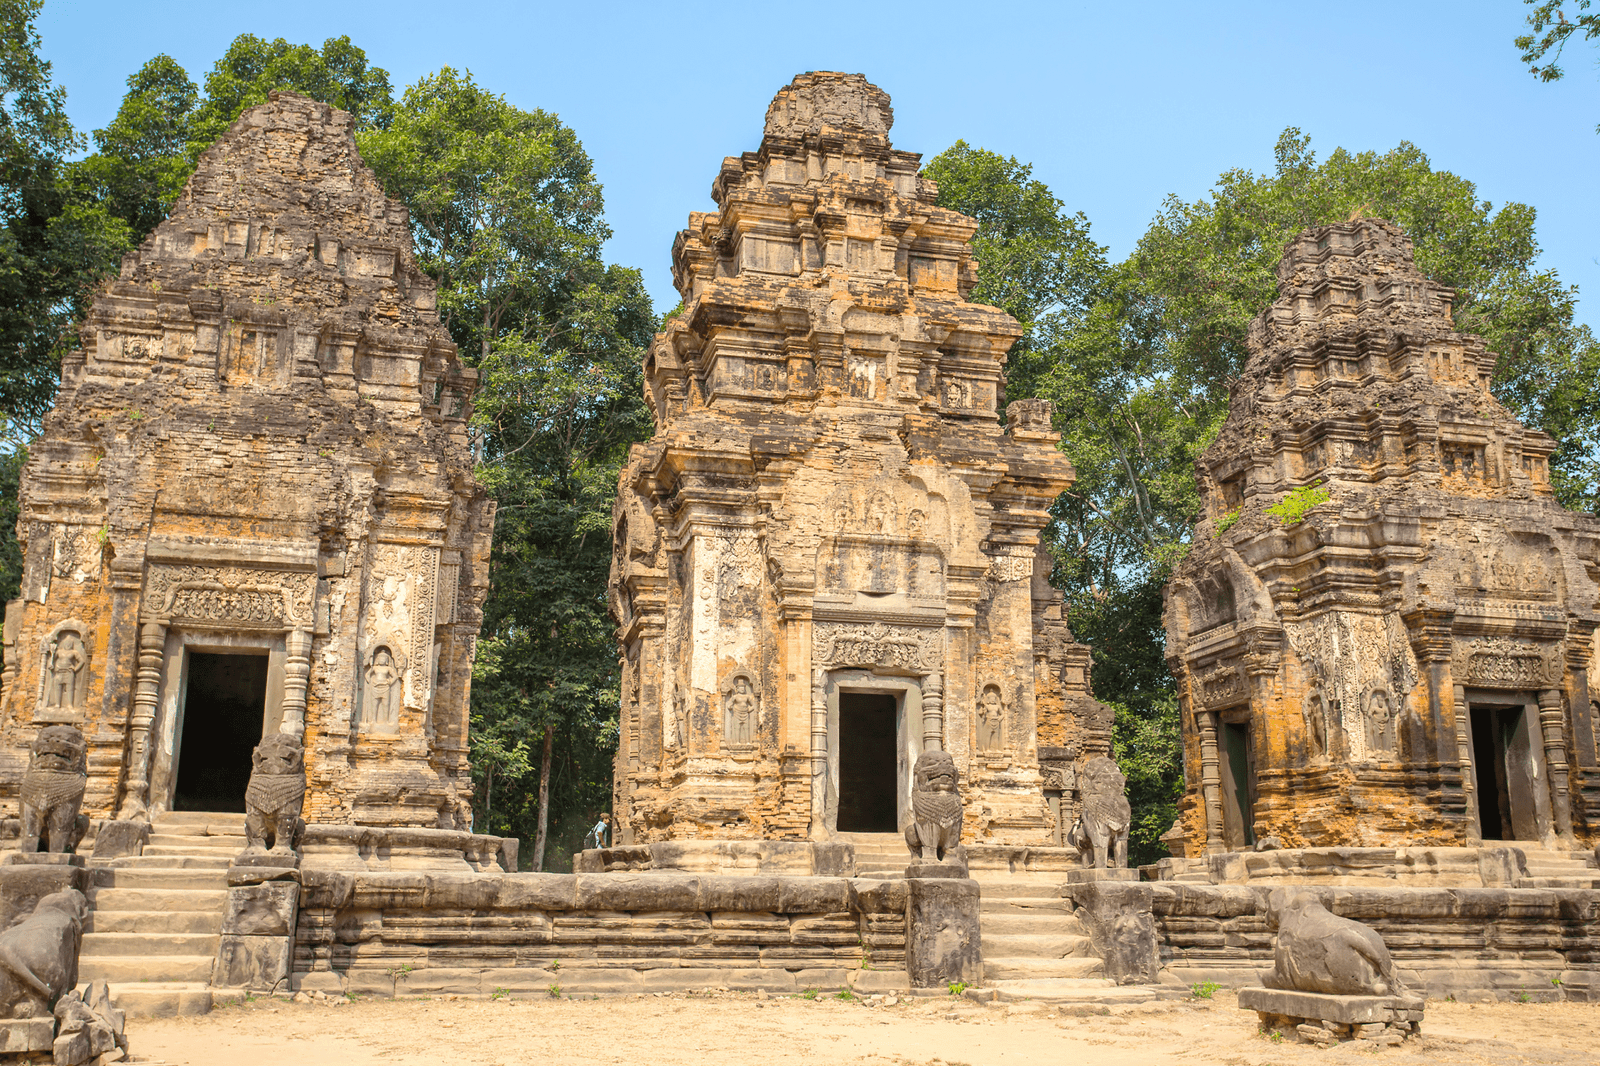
1116	106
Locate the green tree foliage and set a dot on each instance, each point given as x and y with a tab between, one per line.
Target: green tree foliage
1139	356
1036	261
142	159
1542	48
251	68
508	216
51	250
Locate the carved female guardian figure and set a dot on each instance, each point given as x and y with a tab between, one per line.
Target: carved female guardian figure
991	719
383	689
68	657
740	712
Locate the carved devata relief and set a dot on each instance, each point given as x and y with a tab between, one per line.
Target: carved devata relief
991	719
397	631
741	711
230	597
1360	670
64	671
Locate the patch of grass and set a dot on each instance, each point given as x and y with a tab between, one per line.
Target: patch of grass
1523	997
1292	509
555	991
810	993
845	995
555	966
1204	989
399	973
1227	521
500	993
957	987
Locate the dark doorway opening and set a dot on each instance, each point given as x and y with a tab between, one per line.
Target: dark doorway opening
1238	786
224	703
868	778
1504	773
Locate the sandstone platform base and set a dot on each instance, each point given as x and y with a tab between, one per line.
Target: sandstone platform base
1316	1018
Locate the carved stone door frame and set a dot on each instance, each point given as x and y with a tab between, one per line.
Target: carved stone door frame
908	733
174	693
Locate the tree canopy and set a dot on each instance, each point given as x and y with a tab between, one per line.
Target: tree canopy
509	218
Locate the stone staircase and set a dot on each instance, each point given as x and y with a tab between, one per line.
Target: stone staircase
1559	869
1033	947
156	919
882	855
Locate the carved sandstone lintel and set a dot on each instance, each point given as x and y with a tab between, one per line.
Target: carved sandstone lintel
876	644
1498	662
234	597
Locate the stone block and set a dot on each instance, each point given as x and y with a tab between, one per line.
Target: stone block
362	981
265	909
773	979
823	979
40	858
260	963
23	1035
869	981
1352	1011
118	838
943	942
329	981
23	886
1083	875
577	981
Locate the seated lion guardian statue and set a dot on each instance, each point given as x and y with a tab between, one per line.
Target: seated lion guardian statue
275	797
52	792
934	832
1101	831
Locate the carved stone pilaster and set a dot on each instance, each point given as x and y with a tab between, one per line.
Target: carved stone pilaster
296	677
1210	779
147	688
933	712
1552	722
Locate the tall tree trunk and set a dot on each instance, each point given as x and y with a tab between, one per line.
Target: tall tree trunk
544	799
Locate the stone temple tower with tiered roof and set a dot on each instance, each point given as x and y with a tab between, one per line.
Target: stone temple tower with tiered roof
827	557
1383	633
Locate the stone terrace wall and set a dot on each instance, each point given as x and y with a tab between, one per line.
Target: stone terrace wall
476	933
1473	943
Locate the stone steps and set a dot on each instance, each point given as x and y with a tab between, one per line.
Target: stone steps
143	943
1027	969
131	921
210	900
162	999
122	969
156	918
197	859
1036	945
1086	990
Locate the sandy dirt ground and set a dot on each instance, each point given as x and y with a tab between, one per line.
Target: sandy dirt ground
743	1028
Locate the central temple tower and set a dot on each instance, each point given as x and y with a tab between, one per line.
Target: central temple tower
827	557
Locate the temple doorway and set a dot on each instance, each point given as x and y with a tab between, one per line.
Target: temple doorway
224	707
869	774
1504	771
1238	783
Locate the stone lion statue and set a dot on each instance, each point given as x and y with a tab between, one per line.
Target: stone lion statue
1318	951
52	791
934	833
39	955
276	794
1101	832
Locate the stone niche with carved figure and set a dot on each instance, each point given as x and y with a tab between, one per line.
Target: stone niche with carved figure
827	557
1383	634
252	510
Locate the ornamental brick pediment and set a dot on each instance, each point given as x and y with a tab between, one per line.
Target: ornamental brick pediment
876	644
1501	662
